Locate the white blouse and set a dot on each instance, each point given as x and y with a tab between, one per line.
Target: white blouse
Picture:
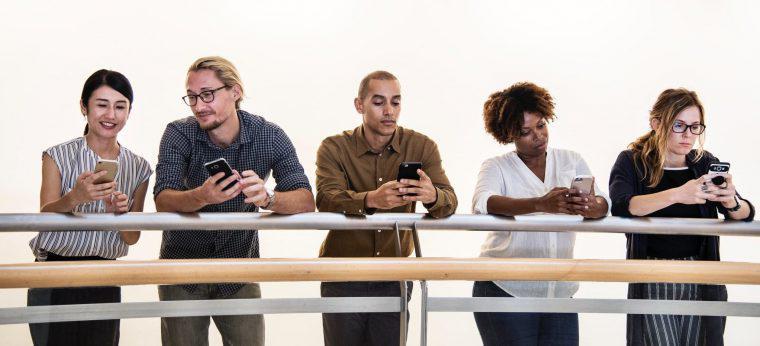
507	175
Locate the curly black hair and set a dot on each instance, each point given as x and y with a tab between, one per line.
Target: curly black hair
503	111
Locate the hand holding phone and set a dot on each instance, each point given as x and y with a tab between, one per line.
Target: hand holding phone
86	190
222	184
220	166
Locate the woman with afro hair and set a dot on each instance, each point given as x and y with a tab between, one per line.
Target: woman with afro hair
533	178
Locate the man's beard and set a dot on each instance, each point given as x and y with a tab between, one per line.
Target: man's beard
212	126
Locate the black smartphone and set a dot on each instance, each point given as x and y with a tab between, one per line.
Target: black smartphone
220	165
718	169
408	170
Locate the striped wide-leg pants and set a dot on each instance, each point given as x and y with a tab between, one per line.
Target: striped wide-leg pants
671	330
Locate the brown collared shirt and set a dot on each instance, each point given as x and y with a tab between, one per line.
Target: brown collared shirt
347	169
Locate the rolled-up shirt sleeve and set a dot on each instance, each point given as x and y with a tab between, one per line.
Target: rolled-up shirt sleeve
287	170
490	182
333	194
173	161
622	184
446	199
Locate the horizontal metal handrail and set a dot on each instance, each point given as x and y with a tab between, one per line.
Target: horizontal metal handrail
210	307
323	221
119	273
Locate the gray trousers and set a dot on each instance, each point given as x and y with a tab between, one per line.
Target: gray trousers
192	331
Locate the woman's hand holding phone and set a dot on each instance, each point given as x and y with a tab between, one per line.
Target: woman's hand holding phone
556	201
695	191
724	193
118	203
86	190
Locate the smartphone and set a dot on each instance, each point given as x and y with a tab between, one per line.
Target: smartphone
583	184
718	169
408	170
220	165
110	166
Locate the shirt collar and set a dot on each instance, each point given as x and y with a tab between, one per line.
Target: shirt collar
362	147
88	151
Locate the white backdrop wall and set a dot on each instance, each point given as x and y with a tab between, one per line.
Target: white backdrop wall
301	62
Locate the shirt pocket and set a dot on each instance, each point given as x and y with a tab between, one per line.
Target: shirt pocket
565	177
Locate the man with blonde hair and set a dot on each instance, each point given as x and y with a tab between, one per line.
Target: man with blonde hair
253	148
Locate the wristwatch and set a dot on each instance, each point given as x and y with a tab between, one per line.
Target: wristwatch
737	207
270	194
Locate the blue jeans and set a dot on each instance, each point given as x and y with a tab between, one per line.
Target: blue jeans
522	328
235	329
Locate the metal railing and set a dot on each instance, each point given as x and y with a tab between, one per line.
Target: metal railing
60	274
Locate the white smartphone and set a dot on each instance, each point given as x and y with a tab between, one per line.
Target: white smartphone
717	170
583	183
110	166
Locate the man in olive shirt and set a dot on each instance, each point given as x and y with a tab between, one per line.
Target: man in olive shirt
356	175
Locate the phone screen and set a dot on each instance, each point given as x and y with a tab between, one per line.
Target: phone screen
408	170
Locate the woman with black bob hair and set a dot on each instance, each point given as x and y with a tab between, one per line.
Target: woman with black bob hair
534	178
71	184
661	175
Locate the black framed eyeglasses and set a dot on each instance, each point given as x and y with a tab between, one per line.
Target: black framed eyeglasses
696	129
206	96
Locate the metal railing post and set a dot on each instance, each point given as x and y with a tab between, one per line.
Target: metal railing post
423	288
403	293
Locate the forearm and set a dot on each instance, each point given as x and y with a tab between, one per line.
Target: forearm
508	206
293	202
65	204
129	237
347	202
179	201
646	204
742	213
445	203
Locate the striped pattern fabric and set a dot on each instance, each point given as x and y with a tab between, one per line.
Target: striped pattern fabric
74	158
671	330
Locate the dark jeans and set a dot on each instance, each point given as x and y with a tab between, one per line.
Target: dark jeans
513	328
100	332
363	328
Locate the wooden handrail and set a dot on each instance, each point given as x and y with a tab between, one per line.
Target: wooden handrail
121	273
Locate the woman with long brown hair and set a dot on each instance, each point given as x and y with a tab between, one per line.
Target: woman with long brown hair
662	175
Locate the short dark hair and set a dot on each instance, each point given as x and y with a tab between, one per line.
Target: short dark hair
113	79
380	75
503	111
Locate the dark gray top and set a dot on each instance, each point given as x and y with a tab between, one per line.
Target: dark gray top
262	147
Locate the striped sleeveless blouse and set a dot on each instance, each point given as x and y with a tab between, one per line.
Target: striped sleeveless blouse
74	158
